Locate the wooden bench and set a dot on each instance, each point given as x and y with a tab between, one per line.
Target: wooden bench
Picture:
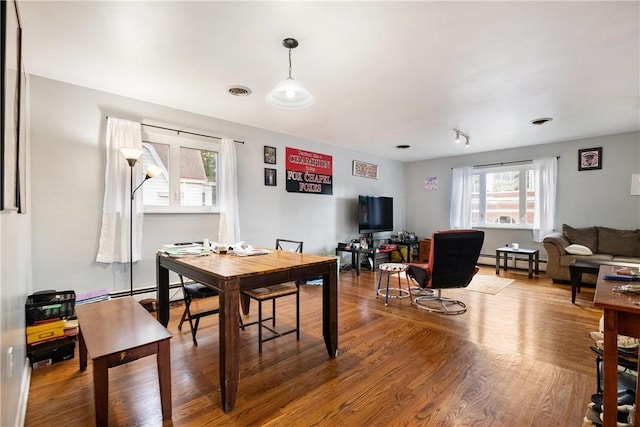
116	332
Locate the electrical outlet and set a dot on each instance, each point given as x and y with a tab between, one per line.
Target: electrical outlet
9	362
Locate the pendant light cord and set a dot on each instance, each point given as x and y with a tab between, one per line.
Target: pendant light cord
289	62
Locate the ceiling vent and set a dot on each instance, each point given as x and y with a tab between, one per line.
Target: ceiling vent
239	91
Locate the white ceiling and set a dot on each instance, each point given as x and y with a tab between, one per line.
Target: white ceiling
382	73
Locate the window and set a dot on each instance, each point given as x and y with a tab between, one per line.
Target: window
503	196
190	178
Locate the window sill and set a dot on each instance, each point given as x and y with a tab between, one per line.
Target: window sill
505	227
183	210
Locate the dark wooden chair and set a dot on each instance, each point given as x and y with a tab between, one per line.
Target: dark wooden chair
272	293
452	264
191	291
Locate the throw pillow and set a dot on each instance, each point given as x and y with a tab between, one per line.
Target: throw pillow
618	242
582	236
578	250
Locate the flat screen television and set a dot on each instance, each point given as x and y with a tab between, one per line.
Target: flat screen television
375	214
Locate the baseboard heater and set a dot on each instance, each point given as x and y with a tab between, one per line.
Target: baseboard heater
142	291
490	259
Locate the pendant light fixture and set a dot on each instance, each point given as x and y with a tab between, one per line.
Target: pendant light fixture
289	94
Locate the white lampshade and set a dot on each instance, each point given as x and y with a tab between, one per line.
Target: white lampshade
153	170
131	153
289	94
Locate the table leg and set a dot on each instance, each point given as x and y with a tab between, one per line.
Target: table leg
538	262
576	279
358	266
164	377
162	292
330	310
610	367
228	337
506	260
82	350
530	266
497	262
101	391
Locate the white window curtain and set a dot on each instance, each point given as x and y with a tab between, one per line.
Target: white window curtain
114	232
461	188
545	177
229	227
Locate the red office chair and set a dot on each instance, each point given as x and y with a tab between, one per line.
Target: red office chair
452	264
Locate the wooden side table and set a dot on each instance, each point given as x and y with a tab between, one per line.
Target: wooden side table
576	269
424	251
533	256
116	332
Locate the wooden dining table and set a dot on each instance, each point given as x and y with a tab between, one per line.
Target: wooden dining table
230	274
621	317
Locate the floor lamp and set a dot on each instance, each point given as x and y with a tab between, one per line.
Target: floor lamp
132	155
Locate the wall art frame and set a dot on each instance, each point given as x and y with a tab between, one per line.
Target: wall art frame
590	159
12	83
270	155
365	170
270	177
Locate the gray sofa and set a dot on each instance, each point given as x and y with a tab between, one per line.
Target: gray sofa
609	246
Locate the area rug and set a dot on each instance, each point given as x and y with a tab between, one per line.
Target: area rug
488	284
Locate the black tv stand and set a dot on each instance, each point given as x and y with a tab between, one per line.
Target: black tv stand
357	258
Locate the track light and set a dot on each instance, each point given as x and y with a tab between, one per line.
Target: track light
460	134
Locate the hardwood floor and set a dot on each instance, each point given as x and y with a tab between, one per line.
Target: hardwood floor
518	358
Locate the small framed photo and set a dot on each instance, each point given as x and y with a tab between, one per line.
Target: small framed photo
270	155
589	159
365	170
270	177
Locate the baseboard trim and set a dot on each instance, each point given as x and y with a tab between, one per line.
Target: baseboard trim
21	413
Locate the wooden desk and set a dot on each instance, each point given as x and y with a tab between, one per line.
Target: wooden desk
229	274
621	317
116	332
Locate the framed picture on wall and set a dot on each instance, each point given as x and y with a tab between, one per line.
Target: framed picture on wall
270	177
270	155
12	149
590	159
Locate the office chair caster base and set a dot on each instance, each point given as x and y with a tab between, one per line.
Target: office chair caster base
421	292
393	293
437	304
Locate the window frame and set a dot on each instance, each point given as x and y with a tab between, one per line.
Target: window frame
522	168
175	143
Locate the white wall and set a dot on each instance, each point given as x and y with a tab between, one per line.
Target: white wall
68	126
586	198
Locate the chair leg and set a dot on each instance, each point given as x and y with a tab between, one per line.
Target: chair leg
379	282
259	326
298	313
194	329
386	297
273	313
184	316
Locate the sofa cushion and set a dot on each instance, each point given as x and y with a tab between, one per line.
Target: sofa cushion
576	249
619	242
582	236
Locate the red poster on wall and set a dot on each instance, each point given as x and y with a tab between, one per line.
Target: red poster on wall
309	172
